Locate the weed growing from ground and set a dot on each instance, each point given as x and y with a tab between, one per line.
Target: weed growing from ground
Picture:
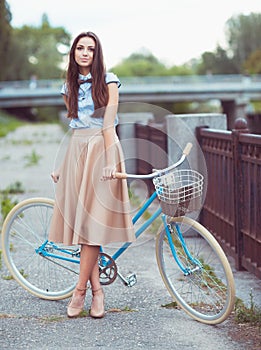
6	200
251	314
32	159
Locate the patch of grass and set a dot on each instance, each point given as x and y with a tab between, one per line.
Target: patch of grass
23	273
6	158
8	123
7	277
250	315
6	201
52	318
10	277
242	314
84	313
21	142
172	305
32	159
15	188
125	309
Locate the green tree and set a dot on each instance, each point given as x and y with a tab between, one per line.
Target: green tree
184	69
216	62
140	64
243	34
35	51
5	36
253	64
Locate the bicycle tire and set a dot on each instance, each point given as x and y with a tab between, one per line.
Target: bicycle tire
208	294
25	228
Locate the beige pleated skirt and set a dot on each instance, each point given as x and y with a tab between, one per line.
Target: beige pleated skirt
88	210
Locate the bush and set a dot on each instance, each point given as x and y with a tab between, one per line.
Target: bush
8	123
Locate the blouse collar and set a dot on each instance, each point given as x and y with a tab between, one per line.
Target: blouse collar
85	77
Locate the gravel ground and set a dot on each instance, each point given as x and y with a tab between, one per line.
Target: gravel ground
135	317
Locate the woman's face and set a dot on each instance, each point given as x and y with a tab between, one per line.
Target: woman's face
83	54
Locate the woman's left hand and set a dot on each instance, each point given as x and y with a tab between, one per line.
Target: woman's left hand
108	173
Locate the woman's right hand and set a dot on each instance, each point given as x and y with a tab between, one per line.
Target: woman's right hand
55	176
108	173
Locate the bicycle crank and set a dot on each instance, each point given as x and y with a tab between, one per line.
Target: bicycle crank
107	269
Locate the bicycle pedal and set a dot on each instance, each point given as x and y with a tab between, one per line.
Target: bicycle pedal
131	279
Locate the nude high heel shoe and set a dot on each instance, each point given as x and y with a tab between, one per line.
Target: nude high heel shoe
74	311
97	307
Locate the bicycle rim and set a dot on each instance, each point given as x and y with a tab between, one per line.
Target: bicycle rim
206	294
24	230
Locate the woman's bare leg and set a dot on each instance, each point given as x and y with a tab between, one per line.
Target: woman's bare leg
88	263
88	260
97	306
95	277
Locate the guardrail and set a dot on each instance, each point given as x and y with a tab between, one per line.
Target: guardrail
241	89
232	207
231	210
146	80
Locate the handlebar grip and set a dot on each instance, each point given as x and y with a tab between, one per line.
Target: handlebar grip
120	175
187	149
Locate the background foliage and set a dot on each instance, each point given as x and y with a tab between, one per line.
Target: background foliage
40	52
36	51
30	51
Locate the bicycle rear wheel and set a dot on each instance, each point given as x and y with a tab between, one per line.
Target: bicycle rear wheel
207	292
25	229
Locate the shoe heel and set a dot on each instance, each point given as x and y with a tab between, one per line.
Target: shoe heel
74	311
98	312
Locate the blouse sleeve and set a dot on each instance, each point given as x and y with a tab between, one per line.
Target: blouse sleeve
112	78
64	90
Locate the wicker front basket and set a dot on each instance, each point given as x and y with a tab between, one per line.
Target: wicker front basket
181	208
179	192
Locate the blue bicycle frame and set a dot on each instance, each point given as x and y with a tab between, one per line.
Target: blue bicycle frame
47	247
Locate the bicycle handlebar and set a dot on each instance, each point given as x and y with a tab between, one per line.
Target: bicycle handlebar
157	172
187	149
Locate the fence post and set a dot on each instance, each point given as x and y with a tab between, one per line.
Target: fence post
199	139
240	127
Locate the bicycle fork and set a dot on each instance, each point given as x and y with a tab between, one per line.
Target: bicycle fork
169	231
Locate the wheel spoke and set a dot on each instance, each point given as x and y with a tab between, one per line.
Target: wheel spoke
206	293
24	231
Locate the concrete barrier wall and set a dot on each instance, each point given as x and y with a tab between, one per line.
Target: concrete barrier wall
181	129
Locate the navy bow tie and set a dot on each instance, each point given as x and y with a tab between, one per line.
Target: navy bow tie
82	81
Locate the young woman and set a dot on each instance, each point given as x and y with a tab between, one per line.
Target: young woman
89	210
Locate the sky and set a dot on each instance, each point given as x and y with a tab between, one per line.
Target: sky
173	31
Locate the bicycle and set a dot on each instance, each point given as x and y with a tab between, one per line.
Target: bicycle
193	266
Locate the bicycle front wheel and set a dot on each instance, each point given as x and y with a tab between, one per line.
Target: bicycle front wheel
25	229
206	291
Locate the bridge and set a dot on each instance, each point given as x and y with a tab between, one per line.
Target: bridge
233	91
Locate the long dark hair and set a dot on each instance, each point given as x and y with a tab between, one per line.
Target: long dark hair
100	93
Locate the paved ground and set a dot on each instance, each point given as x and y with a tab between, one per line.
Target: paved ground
135	317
